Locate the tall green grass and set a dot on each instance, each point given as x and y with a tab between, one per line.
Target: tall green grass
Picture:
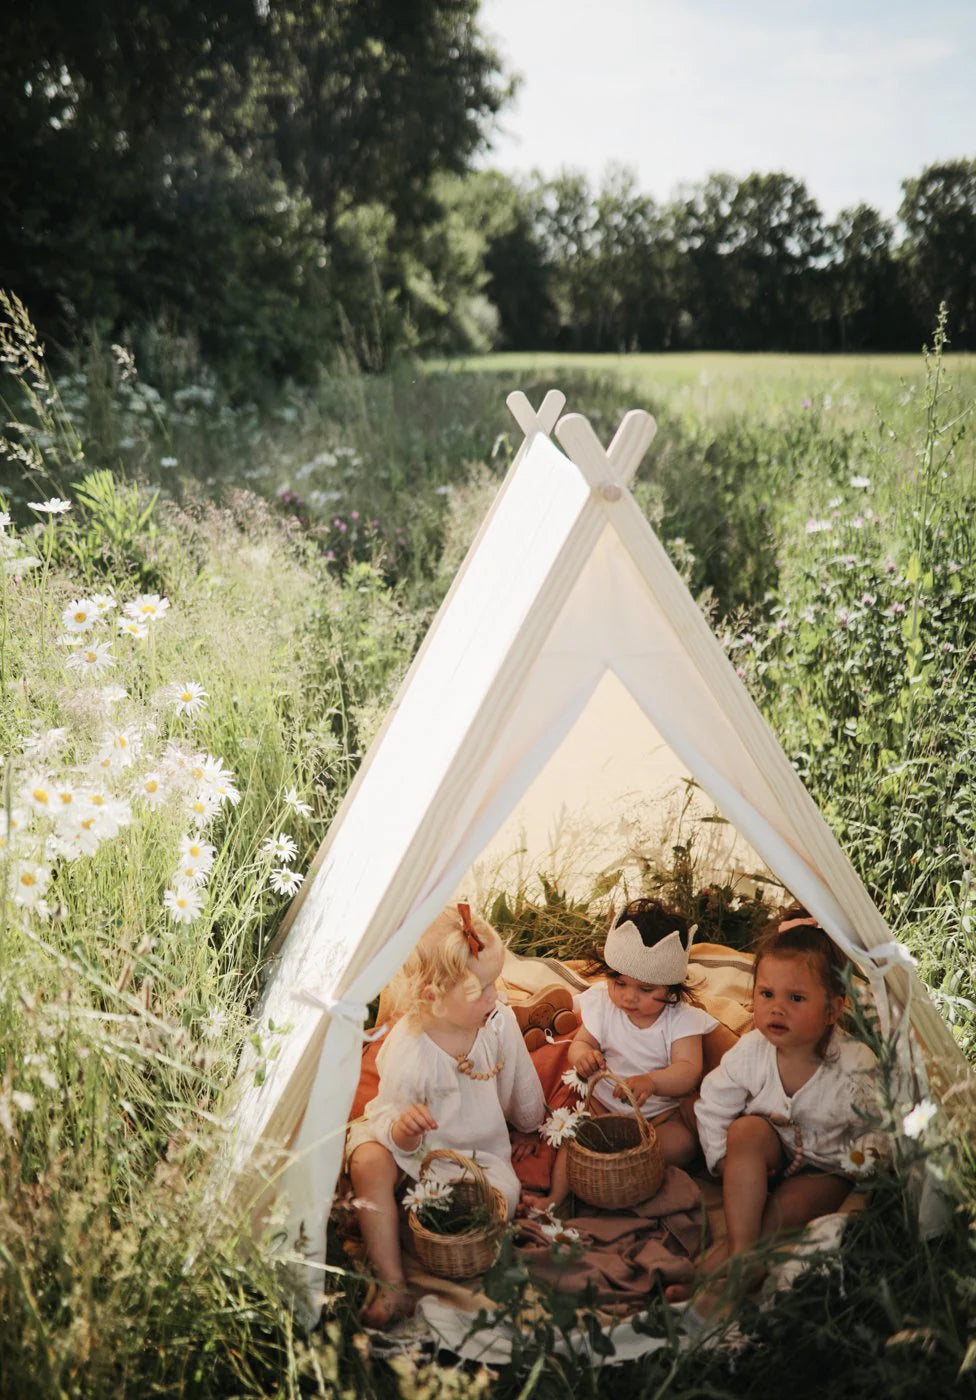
121	1026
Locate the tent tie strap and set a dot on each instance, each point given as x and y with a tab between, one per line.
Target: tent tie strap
885	956
357	1012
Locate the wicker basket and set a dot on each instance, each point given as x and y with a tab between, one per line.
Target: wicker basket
615	1158
473	1251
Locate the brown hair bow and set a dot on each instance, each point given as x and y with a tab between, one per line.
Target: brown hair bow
471	937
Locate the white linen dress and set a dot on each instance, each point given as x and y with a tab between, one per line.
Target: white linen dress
472	1114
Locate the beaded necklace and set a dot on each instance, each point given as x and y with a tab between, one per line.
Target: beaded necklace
466	1066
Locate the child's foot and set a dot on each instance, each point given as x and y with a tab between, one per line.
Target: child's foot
386	1303
678	1292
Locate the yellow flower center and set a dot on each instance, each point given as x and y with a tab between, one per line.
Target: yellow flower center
97	799
26	878
80	615
148	609
40	795
88	823
91	656
151	785
66	798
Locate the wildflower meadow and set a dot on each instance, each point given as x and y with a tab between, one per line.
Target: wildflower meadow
205	609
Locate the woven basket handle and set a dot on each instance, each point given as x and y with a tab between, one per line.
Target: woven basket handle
447	1154
594	1080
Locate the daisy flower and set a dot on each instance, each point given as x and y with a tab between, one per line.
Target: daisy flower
185	903
293	801
119	749
91	660
428	1193
131	627
16	822
281	848
203	808
915	1123
573	1081
103	603
107	815
189	698
198	852
80	614
857	1160
214	778
148	607
213	1025
559	1233
560	1125
55	506
29	885
39	794
152	790
65	800
190	873
285	881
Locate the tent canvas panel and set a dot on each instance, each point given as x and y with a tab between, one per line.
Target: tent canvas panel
564	584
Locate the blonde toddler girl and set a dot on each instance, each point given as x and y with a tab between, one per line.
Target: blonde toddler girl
454	1072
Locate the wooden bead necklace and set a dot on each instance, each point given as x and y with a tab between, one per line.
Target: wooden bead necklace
466	1066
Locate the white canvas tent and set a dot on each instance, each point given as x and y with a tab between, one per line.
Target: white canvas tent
565	585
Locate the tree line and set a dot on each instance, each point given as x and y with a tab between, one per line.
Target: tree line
729	264
271	182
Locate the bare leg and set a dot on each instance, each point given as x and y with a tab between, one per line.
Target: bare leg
558	1185
800	1199
753	1153
374	1177
678	1144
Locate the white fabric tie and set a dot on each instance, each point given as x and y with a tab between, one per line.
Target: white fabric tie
885	956
354	1012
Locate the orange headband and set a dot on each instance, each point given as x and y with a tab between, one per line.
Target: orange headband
469	932
798	923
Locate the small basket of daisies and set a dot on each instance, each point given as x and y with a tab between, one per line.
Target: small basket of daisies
455	1226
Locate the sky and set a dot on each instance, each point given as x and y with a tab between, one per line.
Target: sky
850	96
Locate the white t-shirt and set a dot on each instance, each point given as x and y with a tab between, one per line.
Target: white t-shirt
630	1049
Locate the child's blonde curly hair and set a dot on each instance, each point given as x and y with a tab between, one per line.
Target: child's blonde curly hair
446	953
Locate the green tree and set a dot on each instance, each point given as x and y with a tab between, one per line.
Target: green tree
867	307
939	214
203	163
753	246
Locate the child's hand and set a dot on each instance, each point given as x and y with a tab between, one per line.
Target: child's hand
523	1145
640	1085
408	1130
587	1062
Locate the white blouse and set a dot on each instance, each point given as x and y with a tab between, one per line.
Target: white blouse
630	1049
472	1114
819	1122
